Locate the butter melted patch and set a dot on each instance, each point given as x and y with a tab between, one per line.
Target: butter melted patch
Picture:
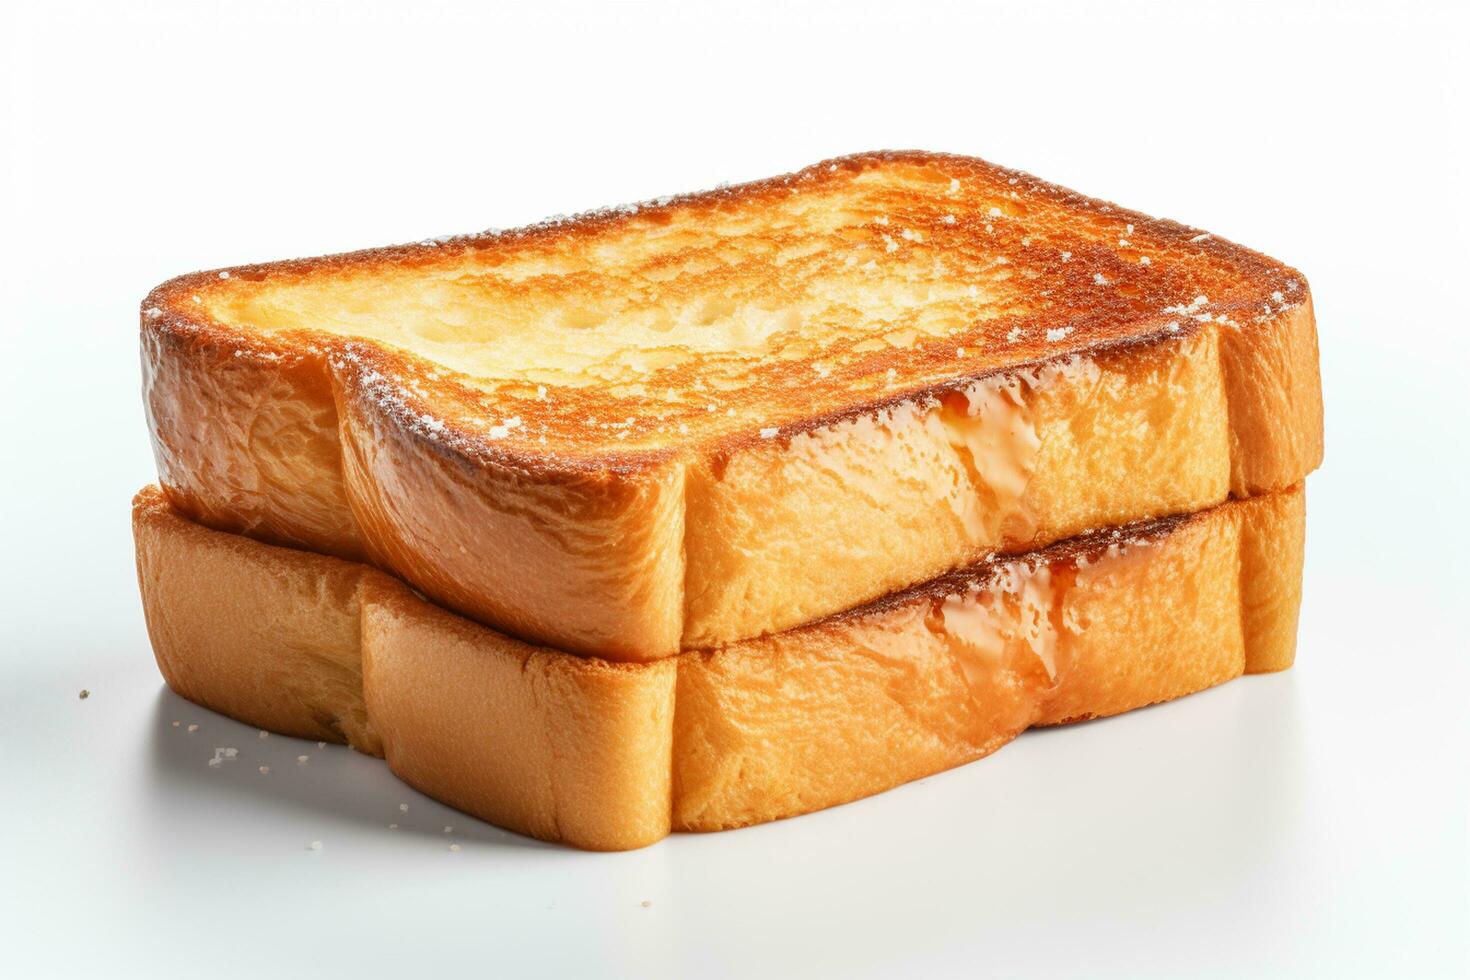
1007	620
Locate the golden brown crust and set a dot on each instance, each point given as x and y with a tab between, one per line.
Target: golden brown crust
240	629
1133	307
612	756
559	747
635	548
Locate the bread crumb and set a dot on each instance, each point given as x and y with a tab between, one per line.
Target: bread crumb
321	745
265	770
449	830
84	694
392	826
301	760
454	847
192	728
403	807
645	903
315	845
264	734
176	724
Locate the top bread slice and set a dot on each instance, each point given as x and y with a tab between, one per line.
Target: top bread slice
687	422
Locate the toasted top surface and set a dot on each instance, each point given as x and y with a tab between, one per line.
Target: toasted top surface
738	313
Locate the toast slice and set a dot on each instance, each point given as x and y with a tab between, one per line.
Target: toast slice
702	419
609	755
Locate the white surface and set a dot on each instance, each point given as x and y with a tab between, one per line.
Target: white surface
1307	824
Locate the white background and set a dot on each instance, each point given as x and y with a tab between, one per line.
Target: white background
1312	823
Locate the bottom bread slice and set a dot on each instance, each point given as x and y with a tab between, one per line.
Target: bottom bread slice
611	756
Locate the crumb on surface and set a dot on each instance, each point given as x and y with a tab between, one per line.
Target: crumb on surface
645	903
301	760
265	770
315	845
403	807
454	847
84	694
192	728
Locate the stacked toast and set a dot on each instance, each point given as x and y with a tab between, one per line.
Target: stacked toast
726	507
